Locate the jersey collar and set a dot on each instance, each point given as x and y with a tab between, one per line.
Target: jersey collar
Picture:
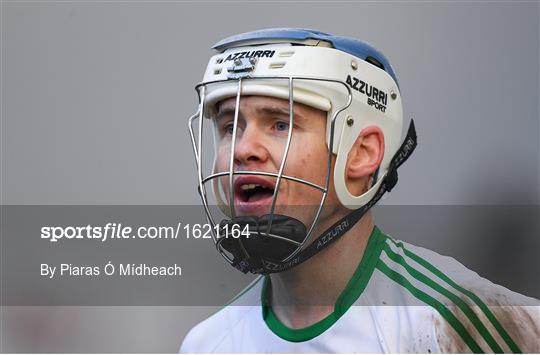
346	299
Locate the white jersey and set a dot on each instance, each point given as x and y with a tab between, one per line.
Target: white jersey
401	299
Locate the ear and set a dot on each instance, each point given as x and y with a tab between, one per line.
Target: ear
363	159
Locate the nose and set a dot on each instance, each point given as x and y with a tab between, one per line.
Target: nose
250	147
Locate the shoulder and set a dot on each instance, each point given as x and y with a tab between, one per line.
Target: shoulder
471	313
207	336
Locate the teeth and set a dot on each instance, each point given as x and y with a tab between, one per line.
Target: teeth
246	187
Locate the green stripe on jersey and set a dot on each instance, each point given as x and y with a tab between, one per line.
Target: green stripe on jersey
458	301
441	308
502	332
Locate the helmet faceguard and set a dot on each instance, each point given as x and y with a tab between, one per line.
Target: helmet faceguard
313	69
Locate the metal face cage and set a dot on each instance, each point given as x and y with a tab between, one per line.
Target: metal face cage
224	180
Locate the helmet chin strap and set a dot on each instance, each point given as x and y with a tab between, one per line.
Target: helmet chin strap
258	252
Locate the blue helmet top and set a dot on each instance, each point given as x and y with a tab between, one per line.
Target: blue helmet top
360	49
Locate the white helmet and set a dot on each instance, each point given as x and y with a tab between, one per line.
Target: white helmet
349	79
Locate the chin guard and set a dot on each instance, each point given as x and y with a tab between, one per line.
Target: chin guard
271	238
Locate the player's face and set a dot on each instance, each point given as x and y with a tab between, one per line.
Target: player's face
263	124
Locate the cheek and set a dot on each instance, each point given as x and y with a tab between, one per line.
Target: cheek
309	163
222	158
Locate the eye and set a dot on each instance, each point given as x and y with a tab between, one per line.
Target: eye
282	126
228	128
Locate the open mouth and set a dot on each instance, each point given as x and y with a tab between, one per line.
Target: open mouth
253	193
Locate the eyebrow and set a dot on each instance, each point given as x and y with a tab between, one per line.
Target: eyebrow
225	112
266	110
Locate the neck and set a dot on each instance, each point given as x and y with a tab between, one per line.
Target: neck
307	293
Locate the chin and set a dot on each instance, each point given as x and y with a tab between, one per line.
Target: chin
256	210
